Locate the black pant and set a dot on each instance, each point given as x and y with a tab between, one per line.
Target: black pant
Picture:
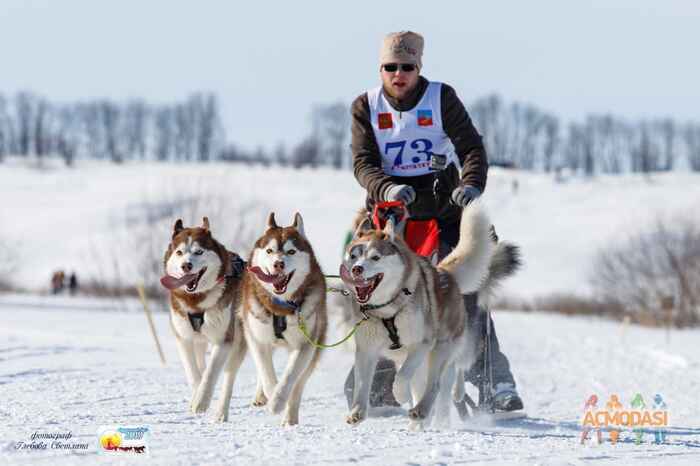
476	319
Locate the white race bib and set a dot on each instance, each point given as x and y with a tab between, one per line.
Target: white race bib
406	140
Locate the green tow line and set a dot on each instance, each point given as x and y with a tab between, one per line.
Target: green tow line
304	331
302	328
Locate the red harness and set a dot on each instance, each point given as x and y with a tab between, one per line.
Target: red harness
422	236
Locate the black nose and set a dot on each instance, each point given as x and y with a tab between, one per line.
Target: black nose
278	266
187	266
357	270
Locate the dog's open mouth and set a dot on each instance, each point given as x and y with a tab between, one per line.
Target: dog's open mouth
278	281
364	287
190	281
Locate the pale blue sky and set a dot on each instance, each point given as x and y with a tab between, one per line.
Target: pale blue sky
270	61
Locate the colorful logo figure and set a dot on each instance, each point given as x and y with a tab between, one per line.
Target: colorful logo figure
660	405
638	403
613	405
588	408
425	118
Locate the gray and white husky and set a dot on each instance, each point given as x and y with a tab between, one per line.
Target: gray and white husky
415	312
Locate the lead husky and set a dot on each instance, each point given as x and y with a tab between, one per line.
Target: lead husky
415	312
204	294
284	280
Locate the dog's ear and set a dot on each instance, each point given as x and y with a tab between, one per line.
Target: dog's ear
178	227
205	223
390	229
299	224
271	221
364	227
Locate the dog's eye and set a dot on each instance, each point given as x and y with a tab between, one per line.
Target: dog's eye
375	258
291	252
268	250
179	253
199	252
353	256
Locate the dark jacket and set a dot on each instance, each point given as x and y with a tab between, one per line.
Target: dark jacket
367	160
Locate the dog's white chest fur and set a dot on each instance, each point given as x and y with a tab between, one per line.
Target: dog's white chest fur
411	329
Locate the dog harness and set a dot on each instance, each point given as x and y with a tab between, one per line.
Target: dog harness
279	323
237	268
389	323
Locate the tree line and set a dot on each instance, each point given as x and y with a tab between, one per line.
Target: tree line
515	134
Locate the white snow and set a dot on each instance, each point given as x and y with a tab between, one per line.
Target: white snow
74	364
75	370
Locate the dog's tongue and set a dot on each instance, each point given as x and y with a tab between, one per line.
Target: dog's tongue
171	282
363	293
262	276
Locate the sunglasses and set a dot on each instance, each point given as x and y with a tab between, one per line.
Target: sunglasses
405	67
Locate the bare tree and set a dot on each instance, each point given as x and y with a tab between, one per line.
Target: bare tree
334	121
640	272
24	108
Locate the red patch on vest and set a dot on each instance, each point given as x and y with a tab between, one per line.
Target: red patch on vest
385	121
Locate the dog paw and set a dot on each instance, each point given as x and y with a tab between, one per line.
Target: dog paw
415	426
355	417
260	400
276	404
200	402
221	416
402	391
416	414
289	421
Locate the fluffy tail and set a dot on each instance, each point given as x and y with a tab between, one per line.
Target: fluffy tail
469	262
505	262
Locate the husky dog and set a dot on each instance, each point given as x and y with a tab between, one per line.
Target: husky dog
205	291
414	311
283	281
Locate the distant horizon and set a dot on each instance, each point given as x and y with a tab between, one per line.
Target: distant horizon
269	64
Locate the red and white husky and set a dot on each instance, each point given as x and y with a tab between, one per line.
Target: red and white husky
284	281
204	295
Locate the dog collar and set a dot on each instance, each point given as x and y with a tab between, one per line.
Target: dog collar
237	268
372	307
279	323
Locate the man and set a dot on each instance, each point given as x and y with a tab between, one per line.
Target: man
405	134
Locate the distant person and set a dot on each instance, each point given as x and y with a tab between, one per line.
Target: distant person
406	134
58	281
73	284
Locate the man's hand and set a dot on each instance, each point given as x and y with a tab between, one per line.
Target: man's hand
463	195
400	192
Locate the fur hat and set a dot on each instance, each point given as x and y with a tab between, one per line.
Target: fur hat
402	47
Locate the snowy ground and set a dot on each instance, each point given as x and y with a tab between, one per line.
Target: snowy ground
73	365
